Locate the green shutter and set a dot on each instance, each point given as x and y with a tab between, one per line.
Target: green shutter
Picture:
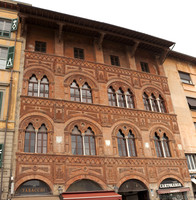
1	154
14	25
10	57
1	100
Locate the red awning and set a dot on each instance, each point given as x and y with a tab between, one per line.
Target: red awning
92	195
173	190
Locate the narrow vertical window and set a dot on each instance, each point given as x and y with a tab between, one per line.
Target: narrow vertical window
42	139
29	144
44	87
115	60
162	104
154	103
33	86
112	97
89	141
75	92
165	142
121	144
130	101
79	53
144	67
3	57
86	94
131	144
121	98
158	147
76	142
146	102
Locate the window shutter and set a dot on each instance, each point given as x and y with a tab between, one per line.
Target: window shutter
1	99
14	25
1	154
10	57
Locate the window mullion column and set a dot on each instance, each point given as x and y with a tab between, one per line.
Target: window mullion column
127	146
126	101
81	95
150	101
117	99
158	103
38	88
36	132
163	148
83	143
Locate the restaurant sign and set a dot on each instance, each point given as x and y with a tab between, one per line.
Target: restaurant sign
170	183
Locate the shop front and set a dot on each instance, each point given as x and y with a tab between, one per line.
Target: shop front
171	189
133	190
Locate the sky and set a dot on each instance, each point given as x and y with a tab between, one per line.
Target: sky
173	20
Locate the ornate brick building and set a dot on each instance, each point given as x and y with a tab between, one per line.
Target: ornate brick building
96	111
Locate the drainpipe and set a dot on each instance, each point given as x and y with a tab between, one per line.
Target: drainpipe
6	126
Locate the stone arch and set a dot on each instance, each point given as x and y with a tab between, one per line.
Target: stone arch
125	126
161	130
139	178
149	89
31	177
36	119
102	184
83	124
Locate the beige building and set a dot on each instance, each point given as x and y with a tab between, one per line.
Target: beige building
181	72
10	55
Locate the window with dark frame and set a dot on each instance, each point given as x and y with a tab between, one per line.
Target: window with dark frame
89	141
185	77
112	97
131	144
130	100
44	87
154	103
144	67
40	46
158	147
115	60
75	92
191	161
29	143
5	27
86	94
42	139
191	103
33	86
166	148
79	53
146	102
121	144
121	98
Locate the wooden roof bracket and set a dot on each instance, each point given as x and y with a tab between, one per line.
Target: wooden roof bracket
23	24
100	41
60	31
163	56
134	48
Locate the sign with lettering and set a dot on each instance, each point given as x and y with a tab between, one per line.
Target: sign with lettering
170	183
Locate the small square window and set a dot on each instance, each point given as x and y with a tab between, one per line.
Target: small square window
115	60
79	53
40	46
185	77
144	67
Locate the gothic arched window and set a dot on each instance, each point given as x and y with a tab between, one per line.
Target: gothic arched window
29	143
162	104
89	142
112	97
131	144
130	101
146	102
44	87
155	107
121	98
76	142
42	139
86	93
158	146
122	150
33	86
75	92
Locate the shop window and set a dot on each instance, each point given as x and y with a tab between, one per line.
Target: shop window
38	88
162	146
36	140
7	26
83	94
191	161
6	57
120	99
115	60
185	77
192	103
40	46
83	143
79	53
126	145
144	67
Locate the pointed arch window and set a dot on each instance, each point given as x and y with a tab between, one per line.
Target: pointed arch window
154	103
33	86
89	142
76	142
121	98
36	141
165	143
86	93
121	144
158	146
146	102
42	139
83	143
75	92
44	87
131	144
130	101
162	104
29	143
112	97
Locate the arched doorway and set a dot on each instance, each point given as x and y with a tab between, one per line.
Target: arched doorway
33	187
84	185
133	190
